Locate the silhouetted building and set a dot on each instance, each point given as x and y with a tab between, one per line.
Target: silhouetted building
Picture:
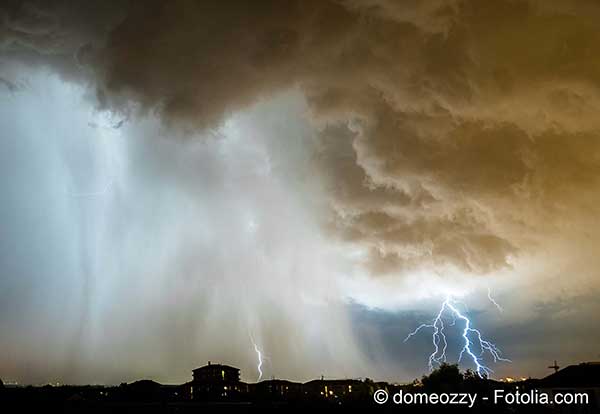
185	390
216	381
336	389
581	378
146	390
277	389
216	373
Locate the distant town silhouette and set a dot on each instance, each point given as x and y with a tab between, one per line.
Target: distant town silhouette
216	384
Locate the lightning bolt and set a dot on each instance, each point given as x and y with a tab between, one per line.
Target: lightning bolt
104	191
260	359
471	338
489	294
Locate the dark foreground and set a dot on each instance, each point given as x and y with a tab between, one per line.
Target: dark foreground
445	390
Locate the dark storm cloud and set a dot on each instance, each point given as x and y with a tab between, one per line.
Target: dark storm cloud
453	107
58	33
450	134
455	103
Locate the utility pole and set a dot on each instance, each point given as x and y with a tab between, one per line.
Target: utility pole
555	367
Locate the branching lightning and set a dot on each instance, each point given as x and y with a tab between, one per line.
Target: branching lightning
472	338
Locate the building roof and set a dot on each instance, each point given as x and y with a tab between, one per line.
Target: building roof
144	384
586	374
334	382
278	382
215	366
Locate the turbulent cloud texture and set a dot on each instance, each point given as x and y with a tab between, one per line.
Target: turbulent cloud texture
471	126
451	136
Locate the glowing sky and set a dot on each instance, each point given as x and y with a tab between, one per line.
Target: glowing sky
179	179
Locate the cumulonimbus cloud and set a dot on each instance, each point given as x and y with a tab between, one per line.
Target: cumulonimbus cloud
451	132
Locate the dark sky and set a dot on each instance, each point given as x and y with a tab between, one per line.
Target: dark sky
183	178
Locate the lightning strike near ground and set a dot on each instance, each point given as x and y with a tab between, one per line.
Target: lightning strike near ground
473	340
260	359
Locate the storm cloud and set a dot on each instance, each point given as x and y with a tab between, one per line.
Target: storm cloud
454	142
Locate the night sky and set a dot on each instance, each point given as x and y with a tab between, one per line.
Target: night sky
182	178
